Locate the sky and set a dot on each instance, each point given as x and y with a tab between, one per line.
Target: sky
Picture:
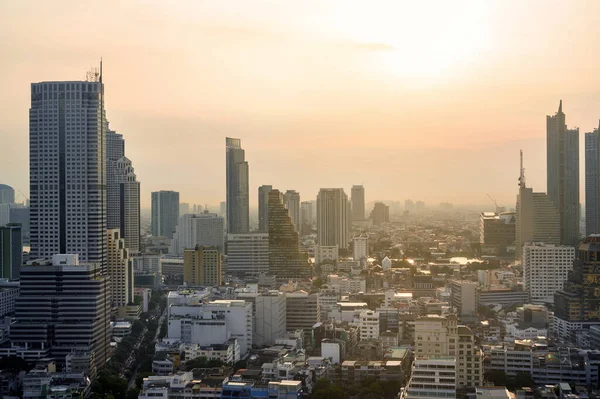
428	100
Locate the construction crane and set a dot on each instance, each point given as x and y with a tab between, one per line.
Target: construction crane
498	209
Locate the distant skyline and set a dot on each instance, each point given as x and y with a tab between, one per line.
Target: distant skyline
429	101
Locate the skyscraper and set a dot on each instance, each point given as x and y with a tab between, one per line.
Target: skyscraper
205	229
237	186
545	269
11	251
562	146
306	217
285	258
357	195
332	218
165	213
122	192
291	200
7	194
202	266
67	163
380	213
120	269
592	182
263	208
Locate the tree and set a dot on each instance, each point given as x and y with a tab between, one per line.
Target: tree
325	389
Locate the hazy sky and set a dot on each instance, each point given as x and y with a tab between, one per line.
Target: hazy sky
421	100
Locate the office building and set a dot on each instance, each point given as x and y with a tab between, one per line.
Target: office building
63	307
464	299
67	163
184	208
562	168
122	192
148	263
247	254
165	213
285	258
380	213
357	197
120	270
592	182
497	232
536	217
7	194
302	310
237	186
361	247
291	200
205	229
577	305
202	266
268	314
306	217
368	324
263	208
20	214
545	269
332	218
11	251
9	292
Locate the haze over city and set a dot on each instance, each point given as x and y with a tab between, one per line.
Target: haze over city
422	100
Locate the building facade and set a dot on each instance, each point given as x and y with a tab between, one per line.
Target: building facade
361	247
11	251
332	217
357	197
247	254
263	208
120	270
291	200
380	213
165	213
202	266
545	269
237	187
7	194
592	182
205	229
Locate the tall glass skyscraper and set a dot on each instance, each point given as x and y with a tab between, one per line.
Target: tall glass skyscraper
332	217
165	213
357	197
592	182
263	208
562	146
237	186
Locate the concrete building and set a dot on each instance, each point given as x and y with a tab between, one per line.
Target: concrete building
205	229
357	195
237	187
149	263
545	269
67	164
202	266
120	270
562	167
7	194
302	311
592	182
11	251
497	232
285	258
165	213
263	208
380	213
9	291
20	214
307	218
55	317
464	298
269	316
326	254
361	247
368	324
332	218
247	254
432	377
291	200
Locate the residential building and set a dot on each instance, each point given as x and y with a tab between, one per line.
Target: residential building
237	187
545	269
562	167
302	310
357	195
11	251
120	270
165	213
285	258
592	182
380	213
202	266
332	218
205	229
368	324
247	253
361	247
577	303
67	164
54	316
263	208
7	194
464	298
326	254
432	377
150	263
291	200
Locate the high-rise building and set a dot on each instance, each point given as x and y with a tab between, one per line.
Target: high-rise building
592	182
20	214
536	217
247	254
545	269
497	231
285	258
577	305
302	311
67	163
464	299
562	160
120	270
380	213
7	194
263	208
306	216
184	209
122	192
165	213
11	251
361	247
291	200
202	266
205	229
269	315
332	218
223	209
357	195
63	306
237	186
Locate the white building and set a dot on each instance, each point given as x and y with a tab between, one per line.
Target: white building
205	229
361	247
247	253
464	298
327	299
331	350
386	264
545	269
345	285
368	324
120	270
269	311
148	263
432	377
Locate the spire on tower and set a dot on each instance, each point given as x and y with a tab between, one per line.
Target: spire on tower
560	107
522	173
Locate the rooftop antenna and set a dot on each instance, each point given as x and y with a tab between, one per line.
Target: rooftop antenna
100	69
522	173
